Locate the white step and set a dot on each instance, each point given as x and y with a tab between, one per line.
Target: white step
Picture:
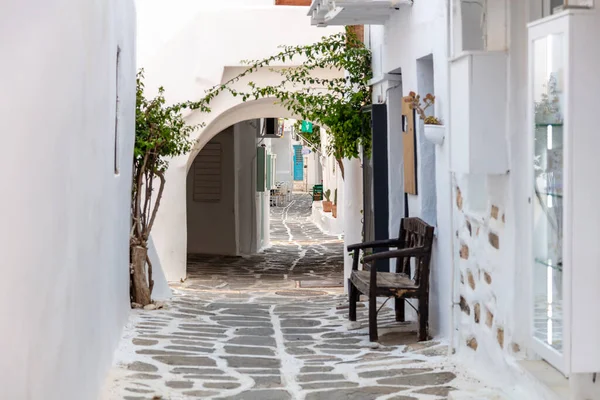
482	394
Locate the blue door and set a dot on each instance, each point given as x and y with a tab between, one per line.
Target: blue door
298	163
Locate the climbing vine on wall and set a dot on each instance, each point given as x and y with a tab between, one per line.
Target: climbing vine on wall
332	102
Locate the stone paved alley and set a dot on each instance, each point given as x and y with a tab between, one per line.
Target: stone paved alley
273	327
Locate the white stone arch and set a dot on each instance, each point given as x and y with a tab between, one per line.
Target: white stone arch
253	109
169	234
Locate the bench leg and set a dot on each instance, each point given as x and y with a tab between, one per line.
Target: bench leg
423	318
399	307
353	298
373	317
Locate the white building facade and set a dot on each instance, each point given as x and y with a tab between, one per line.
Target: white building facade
509	187
68	113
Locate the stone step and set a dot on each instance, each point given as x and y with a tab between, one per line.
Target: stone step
479	394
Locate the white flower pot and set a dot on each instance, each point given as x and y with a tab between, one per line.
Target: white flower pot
435	133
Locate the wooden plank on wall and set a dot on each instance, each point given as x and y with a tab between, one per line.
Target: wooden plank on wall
293	2
408	141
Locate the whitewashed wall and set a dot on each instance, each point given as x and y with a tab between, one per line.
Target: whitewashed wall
211	226
283	149
229	226
329	174
413	42
245	185
195	58
64	293
491	219
492	320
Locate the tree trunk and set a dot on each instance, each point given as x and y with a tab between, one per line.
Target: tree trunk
341	165
141	291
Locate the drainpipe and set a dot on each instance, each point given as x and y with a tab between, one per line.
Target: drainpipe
453	301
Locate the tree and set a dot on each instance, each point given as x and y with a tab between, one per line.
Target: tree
334	103
160	133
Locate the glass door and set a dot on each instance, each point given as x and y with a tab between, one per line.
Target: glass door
547	75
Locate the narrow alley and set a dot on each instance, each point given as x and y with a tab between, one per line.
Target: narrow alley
274	326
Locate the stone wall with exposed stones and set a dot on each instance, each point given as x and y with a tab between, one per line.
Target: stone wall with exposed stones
484	258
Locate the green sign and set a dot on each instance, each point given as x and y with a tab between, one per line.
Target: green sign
307	126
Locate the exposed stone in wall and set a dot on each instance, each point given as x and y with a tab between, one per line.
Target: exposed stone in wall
464	306
489	319
459	199
488	278
481	261
471	279
515	348
464	252
494	212
494	240
472	343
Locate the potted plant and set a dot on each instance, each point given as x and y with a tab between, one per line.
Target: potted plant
334	206
327	203
434	130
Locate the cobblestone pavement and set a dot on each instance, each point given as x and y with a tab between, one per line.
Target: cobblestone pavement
265	328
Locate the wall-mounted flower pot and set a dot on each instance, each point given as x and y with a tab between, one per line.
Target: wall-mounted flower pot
327	206
435	133
334	210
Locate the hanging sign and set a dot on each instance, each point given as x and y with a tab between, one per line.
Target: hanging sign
307	127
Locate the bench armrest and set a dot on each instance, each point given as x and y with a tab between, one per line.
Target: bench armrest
386	255
377	243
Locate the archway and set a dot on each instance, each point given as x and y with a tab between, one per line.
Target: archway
170	231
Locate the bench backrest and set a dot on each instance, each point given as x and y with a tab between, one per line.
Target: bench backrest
414	232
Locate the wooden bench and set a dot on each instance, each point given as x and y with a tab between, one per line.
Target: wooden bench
414	242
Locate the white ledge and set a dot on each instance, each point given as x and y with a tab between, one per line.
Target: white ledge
385	77
352	12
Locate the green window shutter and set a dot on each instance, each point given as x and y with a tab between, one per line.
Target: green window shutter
269	175
260	169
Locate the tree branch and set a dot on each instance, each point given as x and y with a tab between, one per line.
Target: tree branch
150	280
161	176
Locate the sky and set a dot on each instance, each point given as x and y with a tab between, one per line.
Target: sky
160	20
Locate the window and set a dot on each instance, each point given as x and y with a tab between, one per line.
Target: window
207	174
116	135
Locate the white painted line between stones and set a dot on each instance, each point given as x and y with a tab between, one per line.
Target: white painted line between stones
290	365
284	216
